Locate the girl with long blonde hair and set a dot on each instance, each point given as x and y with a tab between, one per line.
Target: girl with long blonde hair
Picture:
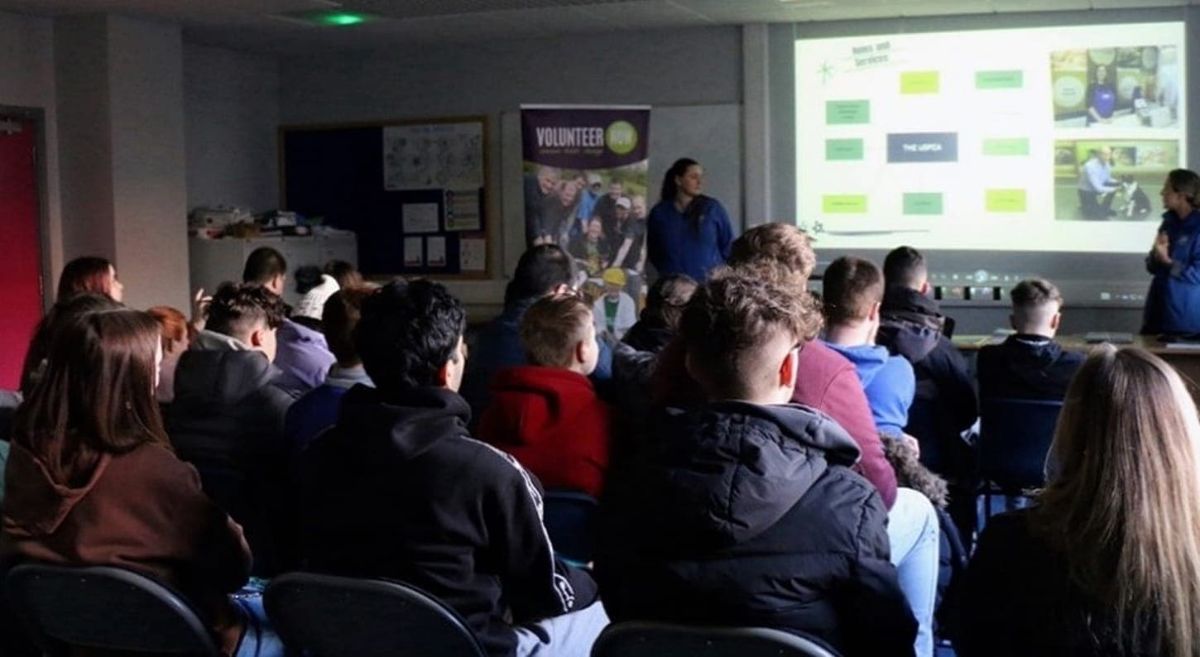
1108	560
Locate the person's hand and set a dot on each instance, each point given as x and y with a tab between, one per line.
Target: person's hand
1162	249
200	303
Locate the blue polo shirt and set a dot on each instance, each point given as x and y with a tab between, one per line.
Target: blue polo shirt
675	246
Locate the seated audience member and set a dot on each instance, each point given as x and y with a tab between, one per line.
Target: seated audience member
826	380
547	414
1107	560
543	269
852	290
177	334
346	274
227	417
88	275
93	480
303	358
60	314
314	289
317	410
398	489
744	510
912	326
590	248
1029	364
615	311
660	318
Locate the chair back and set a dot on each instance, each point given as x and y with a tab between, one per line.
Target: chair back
570	519
328	616
646	639
1014	438
104	608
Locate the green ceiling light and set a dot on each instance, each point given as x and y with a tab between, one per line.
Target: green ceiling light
341	18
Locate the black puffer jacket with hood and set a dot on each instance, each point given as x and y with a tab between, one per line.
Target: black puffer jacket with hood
748	515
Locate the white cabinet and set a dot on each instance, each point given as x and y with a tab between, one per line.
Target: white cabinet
213	262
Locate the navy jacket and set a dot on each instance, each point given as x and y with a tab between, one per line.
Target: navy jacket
1173	303
912	326
1026	367
741	514
398	489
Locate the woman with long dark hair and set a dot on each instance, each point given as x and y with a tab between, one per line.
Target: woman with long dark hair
687	232
93	480
89	274
1107	562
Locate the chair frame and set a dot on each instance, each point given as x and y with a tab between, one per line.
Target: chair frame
280	585
987	487
784	644
206	645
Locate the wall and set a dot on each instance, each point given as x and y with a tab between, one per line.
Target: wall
231	102
27	80
663	68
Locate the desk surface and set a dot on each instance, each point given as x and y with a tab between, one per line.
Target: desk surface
1077	343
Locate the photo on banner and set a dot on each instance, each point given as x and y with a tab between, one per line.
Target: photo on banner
585	184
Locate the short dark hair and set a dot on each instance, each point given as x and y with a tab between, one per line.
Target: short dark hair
1186	182
667	298
346	274
339	316
540	269
307	277
904	266
552	327
1035	292
263	264
850	287
236	309
730	318
409	331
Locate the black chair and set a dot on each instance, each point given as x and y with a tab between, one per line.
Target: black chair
1014	439
328	616
104	608
570	519
646	639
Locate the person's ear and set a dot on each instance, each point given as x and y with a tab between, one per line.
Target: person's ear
925	287
561	288
258	337
787	370
444	375
580	352
874	314
1055	321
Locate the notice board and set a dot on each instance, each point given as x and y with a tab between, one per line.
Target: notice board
413	190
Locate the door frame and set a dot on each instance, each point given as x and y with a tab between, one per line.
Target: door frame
38	116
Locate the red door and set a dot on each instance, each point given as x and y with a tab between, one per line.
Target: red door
20	246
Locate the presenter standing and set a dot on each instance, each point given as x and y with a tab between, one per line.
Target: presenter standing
1173	303
687	232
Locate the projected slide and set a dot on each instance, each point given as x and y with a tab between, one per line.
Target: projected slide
1048	139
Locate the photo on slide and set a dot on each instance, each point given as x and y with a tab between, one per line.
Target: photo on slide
1111	180
1127	87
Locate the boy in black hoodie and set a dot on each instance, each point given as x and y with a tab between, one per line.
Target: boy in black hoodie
398	489
1029	364
743	510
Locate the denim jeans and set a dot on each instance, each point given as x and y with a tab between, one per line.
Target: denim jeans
569	635
260	639
913	533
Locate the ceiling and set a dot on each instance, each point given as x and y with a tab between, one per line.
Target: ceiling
254	25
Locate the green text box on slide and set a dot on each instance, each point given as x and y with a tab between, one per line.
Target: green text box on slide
1009	147
999	79
843	149
844	204
1005	200
847	112
923	203
920	82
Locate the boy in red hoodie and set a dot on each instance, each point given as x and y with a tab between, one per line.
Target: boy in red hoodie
547	414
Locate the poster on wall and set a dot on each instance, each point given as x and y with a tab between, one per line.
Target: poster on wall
586	188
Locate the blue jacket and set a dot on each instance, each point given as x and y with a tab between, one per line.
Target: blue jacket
317	410
888	381
1173	304
675	247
